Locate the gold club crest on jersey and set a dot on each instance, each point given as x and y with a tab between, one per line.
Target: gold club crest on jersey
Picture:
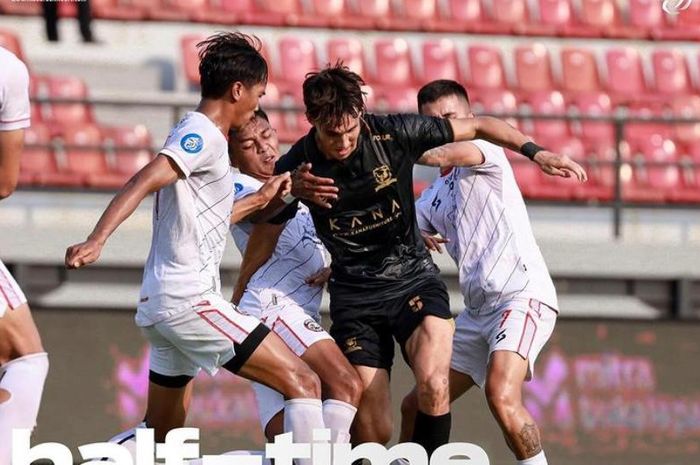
382	175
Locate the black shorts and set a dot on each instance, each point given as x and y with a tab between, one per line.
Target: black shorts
365	327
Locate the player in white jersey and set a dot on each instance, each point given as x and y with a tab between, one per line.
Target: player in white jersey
283	286
182	313
510	301
23	362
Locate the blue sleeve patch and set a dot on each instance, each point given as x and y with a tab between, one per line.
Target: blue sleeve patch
238	187
192	143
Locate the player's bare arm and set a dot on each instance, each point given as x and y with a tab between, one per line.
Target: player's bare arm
261	245
159	173
275	187
320	278
11	144
500	133
433	241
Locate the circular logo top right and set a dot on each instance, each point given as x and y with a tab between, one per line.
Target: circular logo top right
673	7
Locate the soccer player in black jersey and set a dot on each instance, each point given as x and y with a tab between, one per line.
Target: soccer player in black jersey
384	285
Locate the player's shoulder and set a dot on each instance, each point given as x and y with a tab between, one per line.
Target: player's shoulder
242	181
12	67
195	133
492	153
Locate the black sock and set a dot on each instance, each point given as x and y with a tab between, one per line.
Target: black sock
431	431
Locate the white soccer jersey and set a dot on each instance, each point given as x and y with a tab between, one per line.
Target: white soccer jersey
481	211
190	222
14	92
298	255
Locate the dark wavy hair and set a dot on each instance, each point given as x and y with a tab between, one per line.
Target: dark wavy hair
332	94
229	57
435	90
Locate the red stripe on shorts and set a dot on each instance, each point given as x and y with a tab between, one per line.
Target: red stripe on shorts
529	327
202	314
290	330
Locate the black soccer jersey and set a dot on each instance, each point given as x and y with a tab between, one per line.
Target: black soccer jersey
371	230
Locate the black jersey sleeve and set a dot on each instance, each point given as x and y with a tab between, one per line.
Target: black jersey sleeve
418	133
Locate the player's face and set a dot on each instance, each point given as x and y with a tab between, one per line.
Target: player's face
255	149
450	107
338	142
248	98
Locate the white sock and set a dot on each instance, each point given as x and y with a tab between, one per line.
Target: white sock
24	379
538	459
338	416
301	418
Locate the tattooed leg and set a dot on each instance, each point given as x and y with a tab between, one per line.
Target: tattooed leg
506	374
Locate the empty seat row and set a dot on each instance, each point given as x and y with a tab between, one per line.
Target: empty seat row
568	18
623	72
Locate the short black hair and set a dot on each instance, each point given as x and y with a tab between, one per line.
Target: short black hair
260	113
333	93
435	90
229	57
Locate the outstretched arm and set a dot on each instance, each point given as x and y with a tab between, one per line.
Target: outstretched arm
249	207
261	245
159	173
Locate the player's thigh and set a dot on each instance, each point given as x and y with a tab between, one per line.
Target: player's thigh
521	329
429	349
339	378
374	419
470	350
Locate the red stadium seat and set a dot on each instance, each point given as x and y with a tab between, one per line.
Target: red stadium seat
190	57
579	70
548	103
646	15
393	64
625	76
128	150
177	10
366	14
125	10
527	174
439	60
67	114
10	41
397	100
602	18
486	69
38	164
229	12
642	130
413	15
461	16
600	158
687	107
512	17
297	58
496	101
349	51
594	104
688	189
83	157
532	68
20	8
322	13
556	14
650	182
671	76
277	12
556	187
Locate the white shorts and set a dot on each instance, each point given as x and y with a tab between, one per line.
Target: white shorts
11	296
297	328
522	326
205	336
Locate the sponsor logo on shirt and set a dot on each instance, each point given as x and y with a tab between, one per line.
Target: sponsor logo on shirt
192	143
416	304
383	177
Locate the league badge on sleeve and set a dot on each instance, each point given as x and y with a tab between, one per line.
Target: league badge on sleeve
192	143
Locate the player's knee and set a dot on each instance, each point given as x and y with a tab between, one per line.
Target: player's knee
302	383
502	400
433	391
346	387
